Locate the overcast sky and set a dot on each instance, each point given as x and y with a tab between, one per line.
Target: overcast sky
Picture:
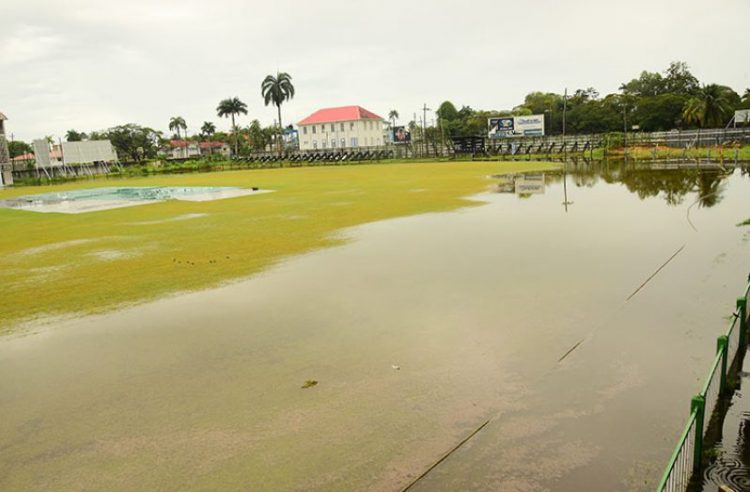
89	65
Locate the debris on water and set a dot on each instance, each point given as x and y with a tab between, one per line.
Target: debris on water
309	383
396	367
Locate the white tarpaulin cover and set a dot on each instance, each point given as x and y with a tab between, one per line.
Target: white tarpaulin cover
88	152
41	152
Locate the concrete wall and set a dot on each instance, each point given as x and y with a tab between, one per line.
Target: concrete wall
6	168
357	133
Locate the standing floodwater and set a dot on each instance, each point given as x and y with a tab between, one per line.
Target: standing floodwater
533	311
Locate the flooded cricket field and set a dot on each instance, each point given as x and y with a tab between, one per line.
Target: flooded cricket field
570	317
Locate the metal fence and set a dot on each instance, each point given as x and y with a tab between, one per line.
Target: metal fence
680	471
686	460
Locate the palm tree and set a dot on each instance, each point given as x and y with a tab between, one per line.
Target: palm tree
709	107
232	107
175	124
276	90
208	129
393	116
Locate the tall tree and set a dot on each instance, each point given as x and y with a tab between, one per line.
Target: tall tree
393	116
208	129
276	90
679	80
232	107
74	136
177	123
710	107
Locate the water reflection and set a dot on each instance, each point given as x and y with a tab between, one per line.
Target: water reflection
672	182
475	307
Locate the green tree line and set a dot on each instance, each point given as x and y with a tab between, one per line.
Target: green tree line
653	101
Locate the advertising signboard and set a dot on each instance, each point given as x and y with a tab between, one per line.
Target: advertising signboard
516	126
401	135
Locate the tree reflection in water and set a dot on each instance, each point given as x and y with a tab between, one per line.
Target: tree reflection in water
671	182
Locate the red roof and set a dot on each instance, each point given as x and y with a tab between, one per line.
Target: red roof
343	113
211	145
24	157
178	143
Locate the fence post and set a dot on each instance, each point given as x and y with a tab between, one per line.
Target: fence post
722	345
698	405
742	313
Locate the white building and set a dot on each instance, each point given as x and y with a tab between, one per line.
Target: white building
346	127
182	149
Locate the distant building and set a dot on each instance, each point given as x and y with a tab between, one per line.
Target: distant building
6	168
344	127
181	149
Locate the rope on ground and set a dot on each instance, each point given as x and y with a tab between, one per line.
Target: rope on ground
655	273
451	451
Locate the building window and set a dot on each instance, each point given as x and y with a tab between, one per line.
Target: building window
325	143
351	126
343	143
315	142
333	129
313	129
304	130
322	128
333	143
354	140
342	127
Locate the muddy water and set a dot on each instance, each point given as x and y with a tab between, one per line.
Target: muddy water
418	331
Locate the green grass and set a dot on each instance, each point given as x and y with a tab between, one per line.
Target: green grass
720	153
56	264
746	222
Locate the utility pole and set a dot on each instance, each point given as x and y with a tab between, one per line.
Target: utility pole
565	109
424	124
625	127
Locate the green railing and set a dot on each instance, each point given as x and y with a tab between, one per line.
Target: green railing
687	457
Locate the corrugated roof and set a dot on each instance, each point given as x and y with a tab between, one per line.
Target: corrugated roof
343	113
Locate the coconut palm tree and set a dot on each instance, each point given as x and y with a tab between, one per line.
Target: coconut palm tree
176	123
276	90
709	107
208	129
393	116
232	107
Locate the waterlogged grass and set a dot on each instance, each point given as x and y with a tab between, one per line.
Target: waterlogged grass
56	264
717	152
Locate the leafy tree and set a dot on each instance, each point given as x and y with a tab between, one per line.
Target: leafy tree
710	106
132	142
74	136
648	84
660	113
208	129
17	147
745	102
447	112
276	90
232	107
679	80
